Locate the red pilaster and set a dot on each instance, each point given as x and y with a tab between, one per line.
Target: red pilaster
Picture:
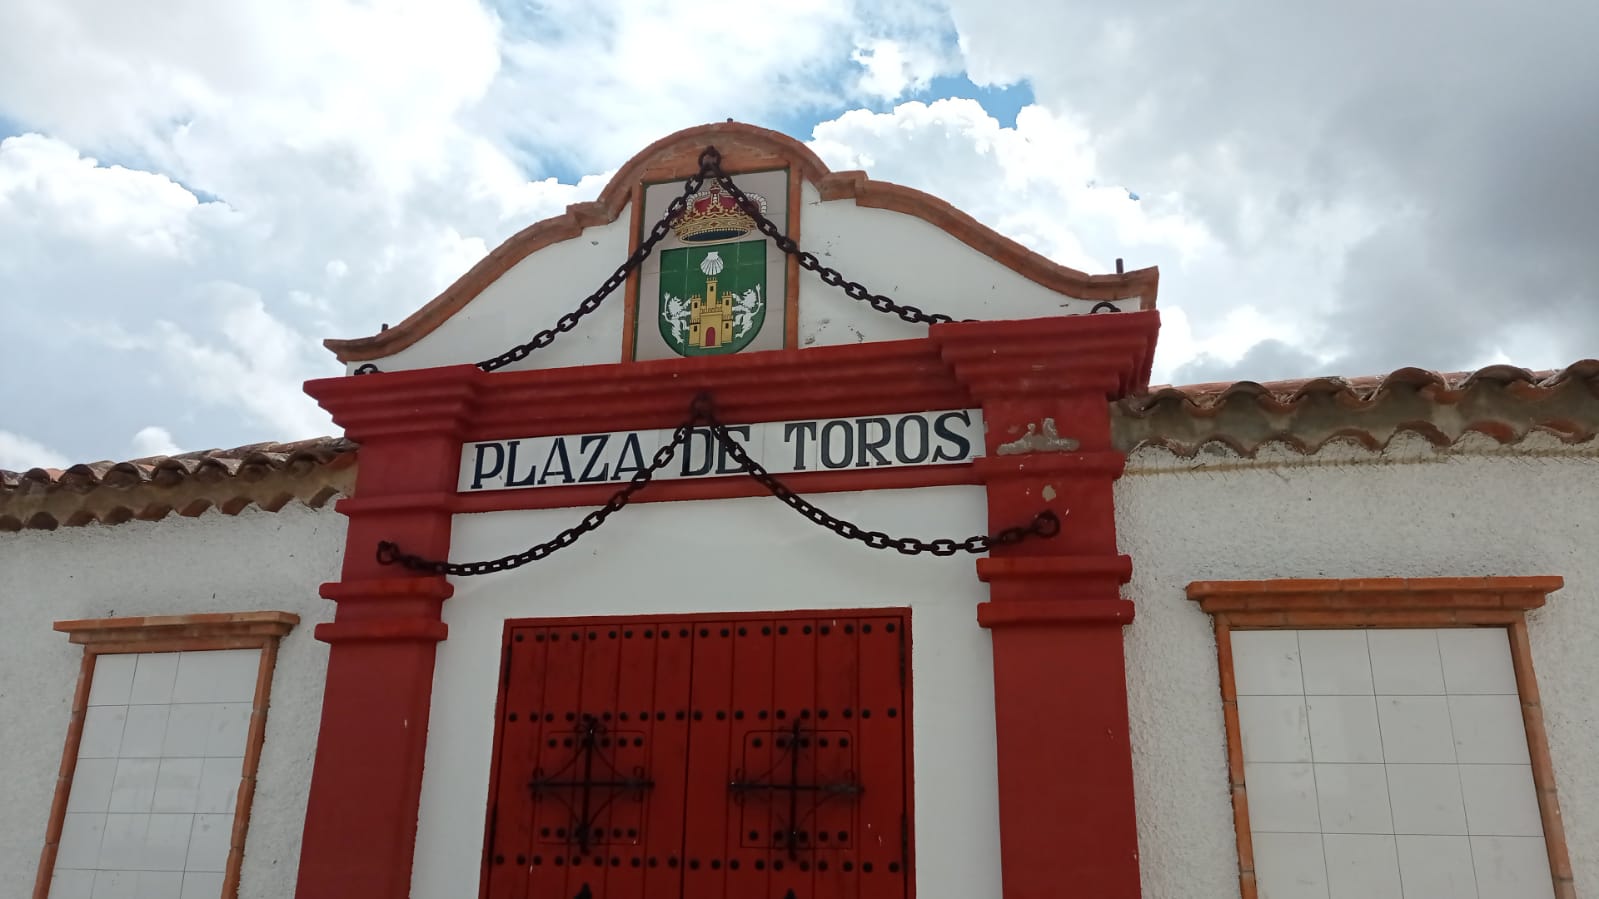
360	822
1055	612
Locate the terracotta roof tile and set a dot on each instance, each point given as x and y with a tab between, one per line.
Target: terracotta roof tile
265	475
1502	402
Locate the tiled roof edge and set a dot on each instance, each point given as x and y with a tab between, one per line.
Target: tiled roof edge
266	476
1505	403
1502	402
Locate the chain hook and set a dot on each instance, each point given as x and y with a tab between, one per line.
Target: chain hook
701	409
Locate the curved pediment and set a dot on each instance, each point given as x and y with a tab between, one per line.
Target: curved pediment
902	242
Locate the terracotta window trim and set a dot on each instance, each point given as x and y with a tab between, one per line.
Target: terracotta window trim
1334	603
169	633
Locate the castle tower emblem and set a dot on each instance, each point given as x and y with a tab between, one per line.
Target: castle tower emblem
713	286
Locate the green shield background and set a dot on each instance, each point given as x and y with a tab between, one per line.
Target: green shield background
744	268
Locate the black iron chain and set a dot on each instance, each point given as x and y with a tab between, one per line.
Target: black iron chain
808	261
389	553
1044	524
710	169
619	277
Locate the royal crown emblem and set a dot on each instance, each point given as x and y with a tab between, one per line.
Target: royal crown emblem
712	215
715	276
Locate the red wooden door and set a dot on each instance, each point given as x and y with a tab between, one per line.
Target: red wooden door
744	757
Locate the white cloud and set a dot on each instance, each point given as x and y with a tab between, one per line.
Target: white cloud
64	195
894	68
18	453
363	156
154	441
1405	195
1040	184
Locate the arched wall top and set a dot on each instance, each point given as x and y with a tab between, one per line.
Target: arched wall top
744	148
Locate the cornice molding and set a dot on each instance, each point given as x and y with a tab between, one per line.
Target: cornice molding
744	148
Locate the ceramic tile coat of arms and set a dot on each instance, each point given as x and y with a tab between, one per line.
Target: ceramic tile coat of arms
715	285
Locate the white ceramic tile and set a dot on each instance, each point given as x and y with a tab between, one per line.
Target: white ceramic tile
802	452
160	885
1500	800
177	786
208	843
1282	798
153	678
1477	660
1405	662
166	842
201	885
1274	728
755	444
1426	799
146	727
219	785
1344	729
229	730
1353	799
115	885
1489	730
1415	729
187	728
1512	868
91	785
1266	663
835	445
225	675
133	790
1436	867
1361	866
1335	663
1290	866
102	731
67	883
123	845
113	679
81	834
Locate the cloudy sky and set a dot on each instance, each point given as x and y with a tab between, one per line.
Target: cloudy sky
193	195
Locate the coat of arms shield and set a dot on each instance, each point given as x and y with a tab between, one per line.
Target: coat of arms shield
715	284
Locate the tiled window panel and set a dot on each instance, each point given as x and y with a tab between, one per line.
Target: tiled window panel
151	806
1387	764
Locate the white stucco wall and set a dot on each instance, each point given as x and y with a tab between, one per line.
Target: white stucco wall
528	298
254	561
913	262
777	560
891	253
1343	513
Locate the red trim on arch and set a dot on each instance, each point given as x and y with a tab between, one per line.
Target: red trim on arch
744	148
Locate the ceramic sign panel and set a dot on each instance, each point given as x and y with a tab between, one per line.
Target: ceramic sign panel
781	447
714	285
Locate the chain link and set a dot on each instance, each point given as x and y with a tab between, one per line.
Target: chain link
808	261
389	552
619	277
1044	524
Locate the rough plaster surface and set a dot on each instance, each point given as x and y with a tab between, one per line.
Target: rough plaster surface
1406	513
214	563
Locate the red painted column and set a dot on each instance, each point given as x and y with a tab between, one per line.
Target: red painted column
360	822
1055	613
